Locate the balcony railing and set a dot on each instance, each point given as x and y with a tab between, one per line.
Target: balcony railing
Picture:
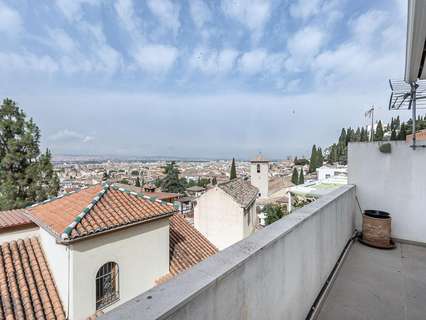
275	274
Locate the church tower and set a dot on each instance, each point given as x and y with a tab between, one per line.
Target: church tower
259	173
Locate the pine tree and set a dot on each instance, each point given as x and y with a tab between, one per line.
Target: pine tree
137	182
26	175
233	173
301	177
295	176
171	182
314	159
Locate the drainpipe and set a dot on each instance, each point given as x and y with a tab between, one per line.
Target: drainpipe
414	86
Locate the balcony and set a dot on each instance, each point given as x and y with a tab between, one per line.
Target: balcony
275	274
379	284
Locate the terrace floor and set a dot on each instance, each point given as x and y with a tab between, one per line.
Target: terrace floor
379	284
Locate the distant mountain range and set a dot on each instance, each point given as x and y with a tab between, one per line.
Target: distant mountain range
102	158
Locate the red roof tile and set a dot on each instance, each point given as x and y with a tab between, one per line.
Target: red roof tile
96	209
187	245
27	289
13	218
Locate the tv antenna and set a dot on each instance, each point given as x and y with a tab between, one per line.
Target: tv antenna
408	96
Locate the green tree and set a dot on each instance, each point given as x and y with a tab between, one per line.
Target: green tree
295	176
171	182
214	181
402	132
26	175
393	135
273	213
233	173
378	136
314	159
137	182
301	177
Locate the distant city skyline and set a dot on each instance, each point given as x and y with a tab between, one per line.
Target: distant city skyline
197	78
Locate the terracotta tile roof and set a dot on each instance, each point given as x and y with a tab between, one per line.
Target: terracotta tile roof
166	196
96	209
187	245
27	289
13	218
242	191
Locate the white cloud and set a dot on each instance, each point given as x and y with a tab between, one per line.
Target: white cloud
131	22
156	58
260	61
253	14
303	46
67	135
26	62
305	8
10	20
62	40
167	12
200	12
72	9
213	62
366	26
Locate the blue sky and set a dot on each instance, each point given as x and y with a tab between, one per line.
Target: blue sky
199	78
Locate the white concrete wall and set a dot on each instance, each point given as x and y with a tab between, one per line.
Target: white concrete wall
275	274
219	218
57	258
249	224
142	255
394	182
260	179
20	233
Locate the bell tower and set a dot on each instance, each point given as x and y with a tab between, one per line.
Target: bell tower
259	174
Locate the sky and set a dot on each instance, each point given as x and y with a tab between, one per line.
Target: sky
199	78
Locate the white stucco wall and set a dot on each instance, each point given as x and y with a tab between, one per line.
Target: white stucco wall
142	255
23	233
260	179
57	258
394	182
219	218
275	274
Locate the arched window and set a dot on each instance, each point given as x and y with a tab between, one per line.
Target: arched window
107	290
258	168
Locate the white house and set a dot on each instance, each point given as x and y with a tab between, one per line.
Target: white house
226	213
94	250
259	175
327	172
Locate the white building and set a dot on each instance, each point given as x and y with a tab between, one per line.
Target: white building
88	252
259	175
327	172
226	213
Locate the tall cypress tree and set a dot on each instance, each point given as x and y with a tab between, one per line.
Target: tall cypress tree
295	176
233	173
26	175
378	136
301	177
314	159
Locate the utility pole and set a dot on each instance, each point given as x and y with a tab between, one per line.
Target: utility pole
370	113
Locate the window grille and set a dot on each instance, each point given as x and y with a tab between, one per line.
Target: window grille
107	289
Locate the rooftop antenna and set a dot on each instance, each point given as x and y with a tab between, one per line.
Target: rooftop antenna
370	113
406	96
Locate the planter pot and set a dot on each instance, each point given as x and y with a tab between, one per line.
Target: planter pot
376	229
